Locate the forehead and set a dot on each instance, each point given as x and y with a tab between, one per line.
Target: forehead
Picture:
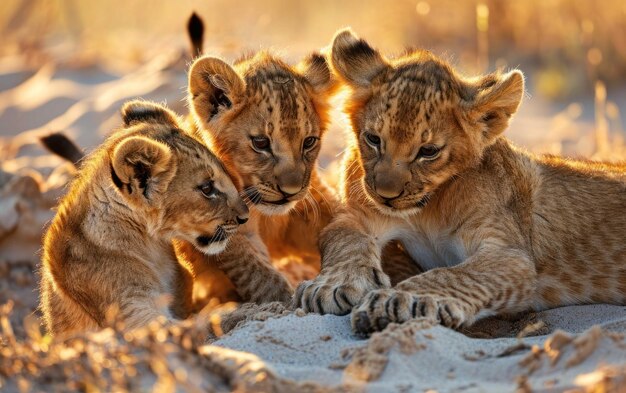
411	98
197	157
282	101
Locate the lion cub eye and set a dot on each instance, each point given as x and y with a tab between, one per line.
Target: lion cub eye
207	189
428	152
373	140
309	142
260	143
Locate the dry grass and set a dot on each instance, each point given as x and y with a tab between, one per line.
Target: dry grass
572	43
570	51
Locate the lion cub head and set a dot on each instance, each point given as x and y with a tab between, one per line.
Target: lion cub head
173	180
264	119
417	122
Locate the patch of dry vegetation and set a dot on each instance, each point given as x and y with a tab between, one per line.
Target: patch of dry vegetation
157	358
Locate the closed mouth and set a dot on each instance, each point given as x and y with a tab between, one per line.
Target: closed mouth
418	204
255	197
261	201
388	203
279	202
219	236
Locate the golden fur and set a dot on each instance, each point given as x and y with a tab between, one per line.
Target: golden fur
110	244
499	230
263	97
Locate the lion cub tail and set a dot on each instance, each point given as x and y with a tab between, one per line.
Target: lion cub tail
195	29
61	145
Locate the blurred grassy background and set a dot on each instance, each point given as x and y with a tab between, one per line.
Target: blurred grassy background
569	44
572	52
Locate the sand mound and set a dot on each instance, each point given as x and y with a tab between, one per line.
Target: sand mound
418	356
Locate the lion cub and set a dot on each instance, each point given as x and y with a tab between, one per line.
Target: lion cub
111	240
265	119
498	229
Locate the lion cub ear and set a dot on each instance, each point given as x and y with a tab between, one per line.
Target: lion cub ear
354	60
139	111
496	99
316	70
213	86
142	168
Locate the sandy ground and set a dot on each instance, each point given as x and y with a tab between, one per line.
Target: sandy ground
418	356
567	348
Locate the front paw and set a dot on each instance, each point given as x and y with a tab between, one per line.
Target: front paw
337	296
381	307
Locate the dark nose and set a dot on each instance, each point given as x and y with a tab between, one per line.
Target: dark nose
286	194
388	187
241	212
388	195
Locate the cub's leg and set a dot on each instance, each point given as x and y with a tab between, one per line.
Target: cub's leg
351	267
247	264
495	279
208	280
138	307
182	303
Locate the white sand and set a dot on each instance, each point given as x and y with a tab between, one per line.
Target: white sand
313	348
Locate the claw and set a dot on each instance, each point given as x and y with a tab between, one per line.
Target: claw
335	298
377	280
373	301
414	308
318	303
423	309
345	299
297	297
395	303
450	315
312	298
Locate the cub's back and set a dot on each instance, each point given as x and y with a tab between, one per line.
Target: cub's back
579	231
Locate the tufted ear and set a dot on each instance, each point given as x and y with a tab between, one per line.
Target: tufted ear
354	60
142	168
213	86
139	111
495	100
316	71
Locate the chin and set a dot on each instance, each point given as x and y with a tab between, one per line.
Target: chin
275	210
393	212
214	248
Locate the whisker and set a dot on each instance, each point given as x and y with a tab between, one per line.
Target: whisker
342	152
326	201
306	202
316	207
298	212
306	208
252	194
